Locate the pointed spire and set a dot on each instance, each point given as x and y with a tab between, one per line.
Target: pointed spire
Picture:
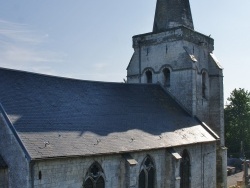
172	13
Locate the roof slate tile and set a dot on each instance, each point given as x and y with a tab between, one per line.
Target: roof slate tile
3	165
61	117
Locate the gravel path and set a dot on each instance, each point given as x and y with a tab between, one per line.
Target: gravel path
232	180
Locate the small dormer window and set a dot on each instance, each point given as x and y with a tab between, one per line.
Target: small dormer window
149	77
166	75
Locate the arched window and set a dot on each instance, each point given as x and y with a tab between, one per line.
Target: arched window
147	174
166	76
185	172
94	177
149	76
204	86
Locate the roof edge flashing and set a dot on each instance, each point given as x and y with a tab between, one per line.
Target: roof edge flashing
208	129
13	130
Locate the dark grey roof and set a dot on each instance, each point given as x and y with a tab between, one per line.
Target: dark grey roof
3	165
57	117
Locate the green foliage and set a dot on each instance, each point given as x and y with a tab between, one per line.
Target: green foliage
237	122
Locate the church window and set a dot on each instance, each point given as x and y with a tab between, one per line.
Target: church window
40	175
94	177
149	76
147	51
204	87
185	172
147	174
166	74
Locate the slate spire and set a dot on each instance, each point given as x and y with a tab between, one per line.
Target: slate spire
172	13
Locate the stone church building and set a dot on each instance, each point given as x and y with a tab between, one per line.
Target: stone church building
162	129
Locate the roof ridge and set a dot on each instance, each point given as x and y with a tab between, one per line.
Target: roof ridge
68	78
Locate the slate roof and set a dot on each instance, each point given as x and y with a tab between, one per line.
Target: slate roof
62	117
3	165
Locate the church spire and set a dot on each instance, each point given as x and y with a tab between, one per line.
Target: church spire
172	13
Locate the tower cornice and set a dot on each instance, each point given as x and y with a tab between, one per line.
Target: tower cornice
174	34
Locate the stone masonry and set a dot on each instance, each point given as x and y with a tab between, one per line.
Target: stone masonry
18	165
70	173
195	75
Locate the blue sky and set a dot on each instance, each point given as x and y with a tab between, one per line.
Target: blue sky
92	40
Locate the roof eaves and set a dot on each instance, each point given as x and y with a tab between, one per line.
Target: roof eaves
117	153
13	130
130	61
216	61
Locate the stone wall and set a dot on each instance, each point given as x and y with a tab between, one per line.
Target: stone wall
187	54
71	173
10	150
118	172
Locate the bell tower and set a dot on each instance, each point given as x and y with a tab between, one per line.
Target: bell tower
182	61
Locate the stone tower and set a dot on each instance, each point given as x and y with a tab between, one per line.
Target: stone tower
182	61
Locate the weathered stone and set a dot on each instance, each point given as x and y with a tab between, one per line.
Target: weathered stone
195	76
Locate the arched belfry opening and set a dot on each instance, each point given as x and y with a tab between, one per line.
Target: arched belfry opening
149	77
166	77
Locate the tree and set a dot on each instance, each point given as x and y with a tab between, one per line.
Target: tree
237	122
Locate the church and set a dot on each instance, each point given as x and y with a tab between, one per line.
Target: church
164	128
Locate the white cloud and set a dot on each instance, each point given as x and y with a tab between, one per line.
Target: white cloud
100	66
18	33
23	48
